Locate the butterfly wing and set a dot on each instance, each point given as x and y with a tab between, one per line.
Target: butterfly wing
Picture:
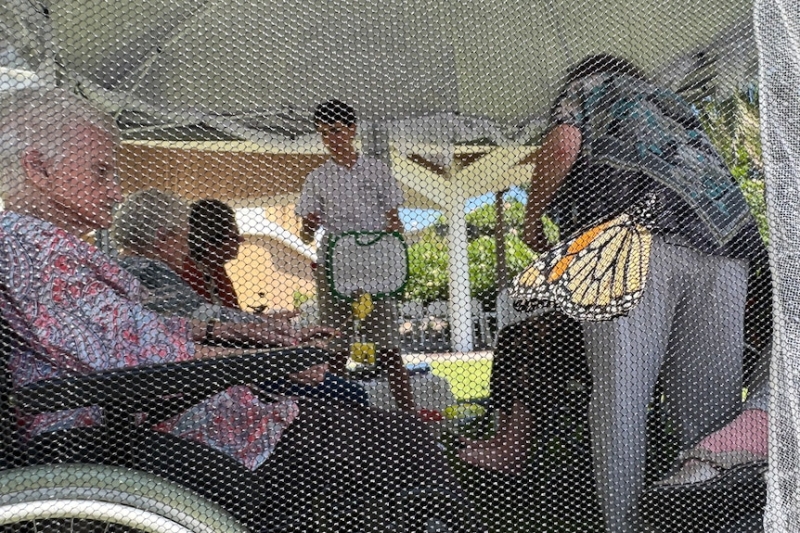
603	272
598	275
538	281
532	284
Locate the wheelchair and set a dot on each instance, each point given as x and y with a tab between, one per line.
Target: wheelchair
120	477
123	477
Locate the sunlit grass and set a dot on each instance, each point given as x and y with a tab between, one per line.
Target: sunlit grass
469	380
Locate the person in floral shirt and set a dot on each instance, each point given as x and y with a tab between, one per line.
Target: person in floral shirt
80	313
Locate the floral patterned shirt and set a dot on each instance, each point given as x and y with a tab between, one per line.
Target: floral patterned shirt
79	313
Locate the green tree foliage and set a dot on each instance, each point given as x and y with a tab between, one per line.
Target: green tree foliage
428	274
482	219
427	268
482	254
733	125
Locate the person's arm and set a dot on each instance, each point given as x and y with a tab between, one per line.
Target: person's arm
554	160
390	195
309	228
209	352
269	332
309	206
393	222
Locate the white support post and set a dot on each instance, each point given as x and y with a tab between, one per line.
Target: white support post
460	309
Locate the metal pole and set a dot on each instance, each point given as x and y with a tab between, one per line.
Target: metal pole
461	338
500	240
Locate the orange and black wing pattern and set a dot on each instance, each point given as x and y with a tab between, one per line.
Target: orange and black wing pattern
598	275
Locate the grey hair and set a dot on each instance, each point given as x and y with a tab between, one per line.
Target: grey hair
143	214
41	119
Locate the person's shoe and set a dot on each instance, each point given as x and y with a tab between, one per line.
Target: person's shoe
692	471
700	465
710	505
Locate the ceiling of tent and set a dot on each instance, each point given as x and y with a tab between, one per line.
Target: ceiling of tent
430	79
268	62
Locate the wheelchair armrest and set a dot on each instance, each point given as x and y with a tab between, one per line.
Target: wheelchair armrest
137	389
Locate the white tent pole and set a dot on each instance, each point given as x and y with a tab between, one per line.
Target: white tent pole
460	309
450	190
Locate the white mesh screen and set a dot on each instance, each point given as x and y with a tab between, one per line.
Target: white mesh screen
561	340
778	30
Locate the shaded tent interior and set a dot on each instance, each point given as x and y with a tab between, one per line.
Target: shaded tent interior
210	94
255	177
435	82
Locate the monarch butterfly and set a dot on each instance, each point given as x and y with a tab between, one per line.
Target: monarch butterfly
598	275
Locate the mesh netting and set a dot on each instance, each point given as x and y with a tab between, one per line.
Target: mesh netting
779	104
440	266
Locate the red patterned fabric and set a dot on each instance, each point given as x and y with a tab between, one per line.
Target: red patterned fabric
80	313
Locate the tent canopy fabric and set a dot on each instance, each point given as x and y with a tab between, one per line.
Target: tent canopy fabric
256	69
453	93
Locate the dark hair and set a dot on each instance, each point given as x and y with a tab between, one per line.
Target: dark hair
334	111
210	225
605	63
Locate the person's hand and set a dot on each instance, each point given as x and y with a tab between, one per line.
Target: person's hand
309	227
278	323
316	333
311	376
287	336
534	236
283	314
273	330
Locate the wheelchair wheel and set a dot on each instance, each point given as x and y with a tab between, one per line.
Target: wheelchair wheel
80	498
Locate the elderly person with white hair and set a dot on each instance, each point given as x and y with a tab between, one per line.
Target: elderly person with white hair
79	313
75	304
151	227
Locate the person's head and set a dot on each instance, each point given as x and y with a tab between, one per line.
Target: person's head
336	123
603	63
153	223
57	158
214	237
